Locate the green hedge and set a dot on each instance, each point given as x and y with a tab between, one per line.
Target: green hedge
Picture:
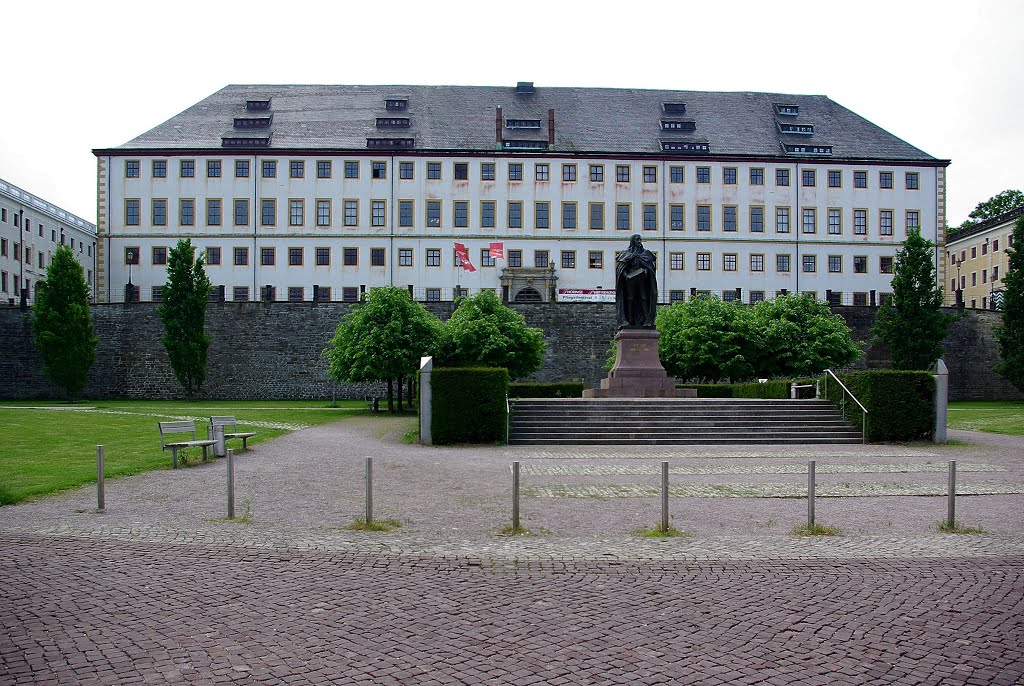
468	405
565	389
900	405
776	389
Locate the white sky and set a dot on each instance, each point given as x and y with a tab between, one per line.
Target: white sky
948	77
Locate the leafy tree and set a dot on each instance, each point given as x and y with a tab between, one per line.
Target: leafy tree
62	323
993	207
800	336
912	323
382	339
183	313
706	340
1011	333
484	333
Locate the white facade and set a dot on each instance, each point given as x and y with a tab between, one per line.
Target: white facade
31	229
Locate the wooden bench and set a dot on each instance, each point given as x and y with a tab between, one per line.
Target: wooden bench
167	441
228	421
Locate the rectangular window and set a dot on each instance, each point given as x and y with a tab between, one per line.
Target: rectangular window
540	259
756	176
595	259
835	264
485	258
187	211
860	179
323	257
323	169
241	169
405	213
487	214
542	215
568	215
433	213
487	171
434	171
914	222
159	169
756	219
433	257
568	259
241	256
568	172
675	261
781	177
835	221
267	257
703	261
781	220
461	214
885	265
650	174
703	174
729	176
515	214
213	256
351	169
515	171
622	217
213	212
913	181
213	169
269	170
159	255
378	170
703	217
810	263
810	177
650	217
131	212
885	179
159	209
295	294
515	258
268	212
622	173
597	215
351	213
835	178
296	212
729	218
350	257
677	296
810	220
323	212
240	293
405	257
405	170
131	169
757	263
885	222
378	211
377	257
676	174
461	171
350	294
782	263
677	217
860	222
433	294
729	262
860	264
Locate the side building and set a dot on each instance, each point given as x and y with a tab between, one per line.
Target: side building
31	229
292	192
976	262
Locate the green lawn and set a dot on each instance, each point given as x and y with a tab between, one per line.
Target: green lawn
47	446
997	416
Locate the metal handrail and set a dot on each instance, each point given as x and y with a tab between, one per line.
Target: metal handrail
508	418
847	392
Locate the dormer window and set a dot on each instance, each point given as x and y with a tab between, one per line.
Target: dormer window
804	129
258	104
253	122
379	143
808	149
525	145
251	141
396	103
392	122
522	123
685	146
787	110
674	107
678	125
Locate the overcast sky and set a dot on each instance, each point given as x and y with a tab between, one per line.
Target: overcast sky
948	77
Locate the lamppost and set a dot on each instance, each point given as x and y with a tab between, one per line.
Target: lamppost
130	254
959	287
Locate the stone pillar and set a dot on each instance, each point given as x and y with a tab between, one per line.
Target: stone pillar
426	367
941	400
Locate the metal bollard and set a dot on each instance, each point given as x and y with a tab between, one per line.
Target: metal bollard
100	496
515	496
231	483
664	496
951	496
810	494
369	490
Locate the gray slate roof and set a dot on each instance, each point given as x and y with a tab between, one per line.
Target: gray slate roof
587	120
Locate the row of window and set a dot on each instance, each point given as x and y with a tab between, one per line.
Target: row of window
16	217
732	295
984	250
974	278
541	172
832	221
541	259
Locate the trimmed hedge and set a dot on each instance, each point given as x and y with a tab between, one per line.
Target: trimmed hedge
468	405
900	405
565	389
776	389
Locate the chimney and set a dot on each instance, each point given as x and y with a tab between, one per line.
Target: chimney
551	128
497	127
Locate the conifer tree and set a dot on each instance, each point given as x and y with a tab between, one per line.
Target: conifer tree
183	312
1011	333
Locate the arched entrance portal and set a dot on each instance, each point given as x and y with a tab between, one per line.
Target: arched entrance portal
528	295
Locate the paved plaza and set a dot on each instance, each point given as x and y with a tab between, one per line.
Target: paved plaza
160	588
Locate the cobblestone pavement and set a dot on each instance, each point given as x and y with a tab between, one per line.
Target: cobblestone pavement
161	589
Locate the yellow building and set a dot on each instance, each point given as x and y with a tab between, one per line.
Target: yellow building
976	261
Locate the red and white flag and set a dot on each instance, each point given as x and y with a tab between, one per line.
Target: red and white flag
463	254
497	251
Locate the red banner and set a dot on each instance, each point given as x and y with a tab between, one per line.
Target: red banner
463	254
497	251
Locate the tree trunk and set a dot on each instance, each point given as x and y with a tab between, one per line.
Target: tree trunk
412	391
400	408
391	395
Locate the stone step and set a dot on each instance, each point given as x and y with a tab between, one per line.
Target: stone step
681	440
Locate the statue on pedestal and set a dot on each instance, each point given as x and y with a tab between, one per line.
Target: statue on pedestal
636	286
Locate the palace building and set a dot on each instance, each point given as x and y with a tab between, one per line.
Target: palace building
303	192
976	262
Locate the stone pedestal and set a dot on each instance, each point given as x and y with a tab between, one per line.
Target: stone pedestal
638	372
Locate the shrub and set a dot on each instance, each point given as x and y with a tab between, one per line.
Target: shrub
468	405
900	404
564	389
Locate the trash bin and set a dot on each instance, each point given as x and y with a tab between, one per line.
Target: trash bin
215	432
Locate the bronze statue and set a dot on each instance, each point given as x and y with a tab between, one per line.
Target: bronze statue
636	285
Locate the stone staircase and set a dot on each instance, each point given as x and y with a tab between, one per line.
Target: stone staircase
657	421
